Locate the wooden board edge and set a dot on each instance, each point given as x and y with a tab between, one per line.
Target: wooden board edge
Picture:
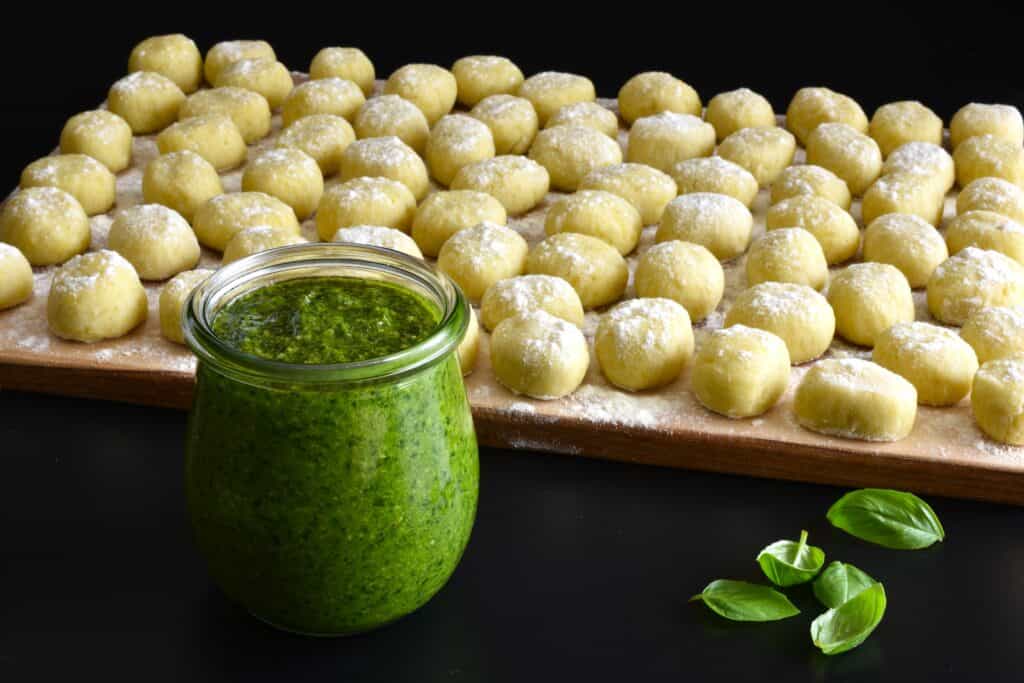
160	389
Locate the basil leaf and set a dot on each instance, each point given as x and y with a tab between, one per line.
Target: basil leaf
847	626
742	601
787	563
839	583
893	519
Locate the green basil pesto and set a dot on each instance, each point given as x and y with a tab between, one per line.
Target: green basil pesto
337	508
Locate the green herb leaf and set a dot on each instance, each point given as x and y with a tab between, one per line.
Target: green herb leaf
742	601
839	583
788	563
893	519
847	626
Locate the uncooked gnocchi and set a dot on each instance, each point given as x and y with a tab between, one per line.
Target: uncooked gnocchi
647	189
796	314
868	299
643	343
718	222
597	213
594	268
663	140
934	359
525	293
539	355
971	280
740	371
442	214
686	273
365	201
478	257
518	183
569	153
386	158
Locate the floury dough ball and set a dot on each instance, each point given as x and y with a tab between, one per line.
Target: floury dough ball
808	179
811	107
972	280
600	214
834	228
267	77
647	189
986	230
847	152
365	201
868	299
348	63
987	156
898	123
934	359
456	140
787	255
254	240
386	158
174	56
182	181
96	296
569	153
101	134
594	268
589	114
81	176
924	159
797	314
48	225
172	302
718	222
15	277
992	194
378	236
643	343
146	100
686	273
324	137
325	96
215	137
995	332
740	371
512	120
520	184
526	293
663	140
217	221
480	76
539	355
428	86
289	174
654	92
478	257
764	152
549	91
1002	121
903	193
731	111
156	240
390	115
997	400
908	242
855	399
442	214
226	53
717	175
249	110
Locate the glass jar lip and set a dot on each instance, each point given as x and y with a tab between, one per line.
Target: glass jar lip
204	302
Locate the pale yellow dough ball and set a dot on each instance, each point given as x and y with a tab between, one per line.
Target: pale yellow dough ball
526	293
995	332
643	343
349	63
717	175
390	115
986	230
254	240
764	152
172	302
834	228
325	137
95	296
808	179
174	56
480	76
898	123
740	371
325	96
992	194
81	176
663	140
934	359
226	53
731	111
796	314
985	155
589	114
46	224
787	255
182	181
600	214
847	152
156	240
654	92
147	101
997	400
289	174
101	134
267	77
686	273
811	107
972	280
442	214
456	140
647	189
215	137
249	110
718	222
386	158
594	268
217	220
907	242
378	236
539	355
903	193
512	120
15	277
428	86
477	257
569	153
855	399
549	91
1002	121
869	298
923	159
365	201
469	347
520	184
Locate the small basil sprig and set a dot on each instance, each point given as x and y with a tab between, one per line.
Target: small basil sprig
839	583
847	626
742	601
788	563
894	519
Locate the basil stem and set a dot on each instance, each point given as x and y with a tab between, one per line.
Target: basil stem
845	627
742	601
894	519
788	563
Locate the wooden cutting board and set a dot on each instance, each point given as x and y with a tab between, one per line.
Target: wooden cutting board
946	454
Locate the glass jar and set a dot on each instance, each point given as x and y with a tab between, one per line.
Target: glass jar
330	499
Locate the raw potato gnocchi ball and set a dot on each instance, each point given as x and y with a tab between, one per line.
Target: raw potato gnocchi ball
217	220
992	194
214	137
834	228
147	101
95	296
267	77
46	224
469	347
898	123
589	114
254	240
869	298
599	214
986	230
903	193
478	257
731	111
787	255
647	189
718	222
539	355
923	159
15	277
740	371
907	242
518	183
182	181
512	120
325	96
101	134
378	236
934	359
549	91
227	52
808	179
855	399
654	92
480	76
997	400
289	174
390	115
428	86
717	175
848	153
984	156
157	241
443	214
172	301
663	140
811	107
594	268
569	153
348	63
643	343
1002	121
365	201
249	110
81	176
972	280
324	137
174	56
798	315
456	140
526	293
686	273
765	152
995	332
386	158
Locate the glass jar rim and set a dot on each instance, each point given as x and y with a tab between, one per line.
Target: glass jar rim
302	260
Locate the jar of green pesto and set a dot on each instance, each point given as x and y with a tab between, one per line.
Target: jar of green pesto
331	465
